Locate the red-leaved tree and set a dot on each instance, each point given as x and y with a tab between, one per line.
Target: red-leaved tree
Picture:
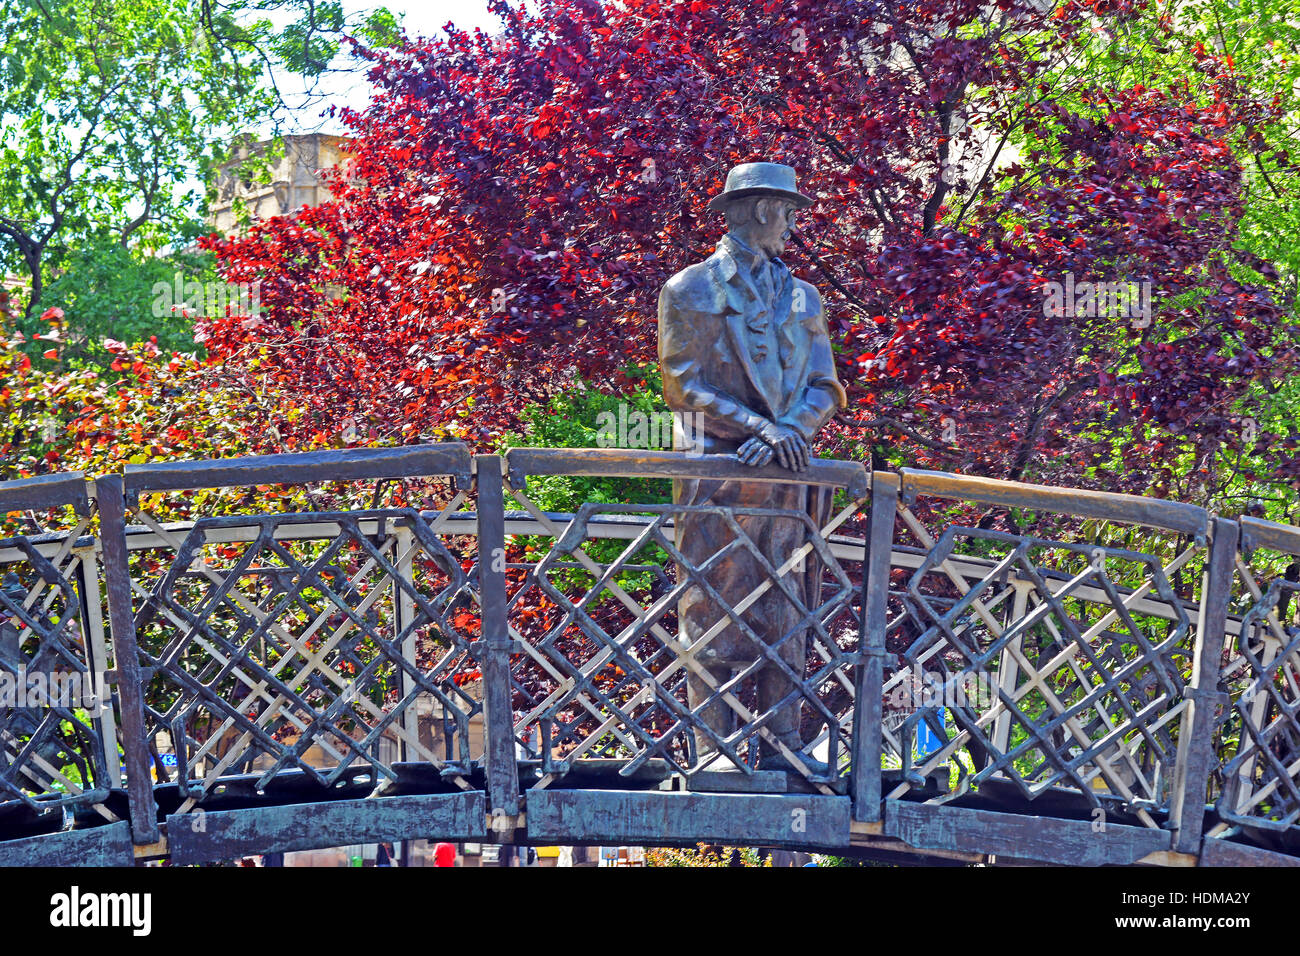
515	203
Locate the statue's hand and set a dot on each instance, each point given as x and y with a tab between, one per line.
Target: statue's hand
755	453
790	447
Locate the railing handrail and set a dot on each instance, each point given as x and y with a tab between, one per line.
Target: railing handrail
1258	533
447	459
634	463
1177	516
46	491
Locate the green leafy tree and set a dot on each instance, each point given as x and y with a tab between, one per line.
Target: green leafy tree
109	292
112	114
572	418
1244	50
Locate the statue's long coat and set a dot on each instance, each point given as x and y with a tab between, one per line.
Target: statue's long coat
706	353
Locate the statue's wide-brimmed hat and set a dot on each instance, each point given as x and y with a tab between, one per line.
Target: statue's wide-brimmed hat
760	179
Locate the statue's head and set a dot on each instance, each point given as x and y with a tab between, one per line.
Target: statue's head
761	222
759	202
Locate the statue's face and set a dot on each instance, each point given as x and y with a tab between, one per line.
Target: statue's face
773	220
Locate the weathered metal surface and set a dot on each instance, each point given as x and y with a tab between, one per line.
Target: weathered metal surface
1256	533
624	527
1226	853
1046	840
502	771
1257	739
1151	512
1033	688
45	491
126	657
52	750
844	547
606	674
406	461
664	819
281	647
1196	756
870	678
57	746
108	845
47	545
716	781
624	462
227	834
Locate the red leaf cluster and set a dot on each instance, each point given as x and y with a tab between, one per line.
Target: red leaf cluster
513	206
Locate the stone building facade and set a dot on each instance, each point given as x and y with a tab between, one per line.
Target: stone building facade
296	180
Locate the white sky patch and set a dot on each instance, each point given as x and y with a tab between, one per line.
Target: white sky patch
345	84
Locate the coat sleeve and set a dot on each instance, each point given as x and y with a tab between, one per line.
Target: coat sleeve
823	395
685	339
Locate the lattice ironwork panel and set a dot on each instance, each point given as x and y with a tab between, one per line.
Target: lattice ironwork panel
1024	666
325	642
58	741
1258	738
760	677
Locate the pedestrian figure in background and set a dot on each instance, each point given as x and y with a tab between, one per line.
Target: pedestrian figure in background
444	854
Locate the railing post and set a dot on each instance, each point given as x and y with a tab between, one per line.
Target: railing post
88	585
126	657
499	747
867	743
403	615
1196	740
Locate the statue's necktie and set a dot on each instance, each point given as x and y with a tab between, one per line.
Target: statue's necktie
759	321
762	332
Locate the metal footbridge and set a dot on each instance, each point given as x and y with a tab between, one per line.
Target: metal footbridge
205	660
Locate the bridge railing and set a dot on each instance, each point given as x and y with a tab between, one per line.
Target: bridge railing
304	640
1056	668
1257	736
602	673
58	744
977	652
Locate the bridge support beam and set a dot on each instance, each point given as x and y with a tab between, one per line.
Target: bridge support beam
98	846
226	834
870	676
1042	839
1196	756
499	753
658	818
1225	853
110	497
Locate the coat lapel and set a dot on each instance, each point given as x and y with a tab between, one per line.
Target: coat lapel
739	296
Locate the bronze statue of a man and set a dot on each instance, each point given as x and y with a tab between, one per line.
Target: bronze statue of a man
743	345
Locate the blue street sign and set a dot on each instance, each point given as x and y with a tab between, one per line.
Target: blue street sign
927	741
